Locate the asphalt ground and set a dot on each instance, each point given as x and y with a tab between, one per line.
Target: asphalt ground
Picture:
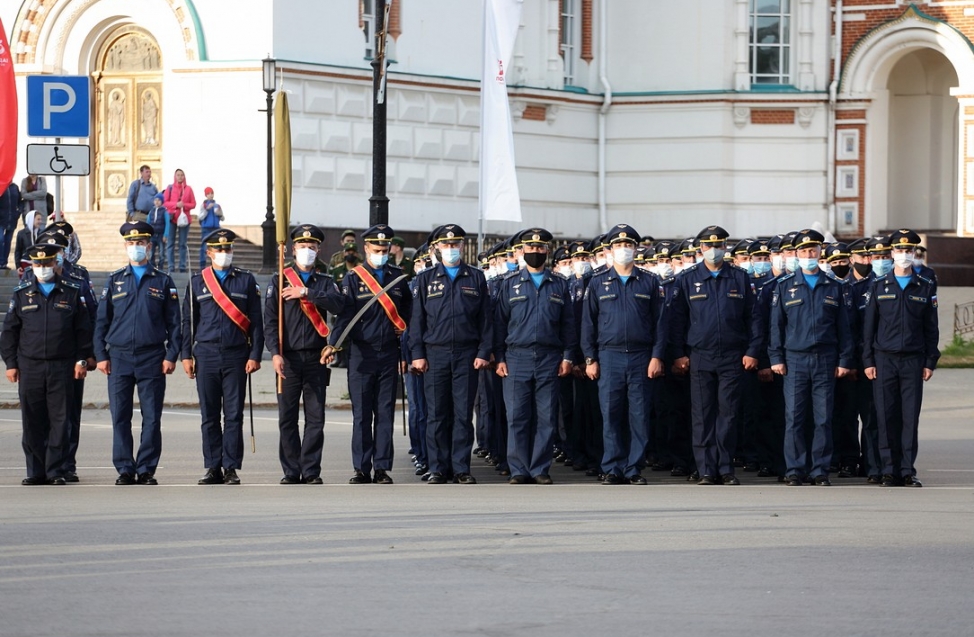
575	558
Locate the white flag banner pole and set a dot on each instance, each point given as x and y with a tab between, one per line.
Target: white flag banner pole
499	196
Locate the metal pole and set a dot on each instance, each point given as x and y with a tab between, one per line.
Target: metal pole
58	208
378	202
269	227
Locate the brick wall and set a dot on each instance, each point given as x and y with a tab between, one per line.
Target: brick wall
772	116
854	30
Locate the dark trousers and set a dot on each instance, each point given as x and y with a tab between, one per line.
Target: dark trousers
625	394
587	418
416	396
481	409
770	425
497	430
869	438
130	370
451	385
531	393
715	391
304	376
672	399
46	390
372	380
747	417
74	424
9	235
158	258
222	385
809	388
898	390
845	423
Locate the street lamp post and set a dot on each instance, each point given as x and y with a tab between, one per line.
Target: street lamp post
269	226
378	202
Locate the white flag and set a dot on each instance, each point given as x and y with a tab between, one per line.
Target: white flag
499	196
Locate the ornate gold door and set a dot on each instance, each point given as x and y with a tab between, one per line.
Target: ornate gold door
128	89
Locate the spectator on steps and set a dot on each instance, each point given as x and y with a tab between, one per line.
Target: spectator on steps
179	201
139	200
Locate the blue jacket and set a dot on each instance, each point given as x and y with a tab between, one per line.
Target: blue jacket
211	327
714	314
140	196
159	220
10	207
899	321
139	315
816	320
451	314
299	333
626	317
535	318
374	330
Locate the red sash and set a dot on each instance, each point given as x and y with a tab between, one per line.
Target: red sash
383	300
233	312
307	306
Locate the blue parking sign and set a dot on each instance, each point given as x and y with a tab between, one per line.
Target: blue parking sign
58	106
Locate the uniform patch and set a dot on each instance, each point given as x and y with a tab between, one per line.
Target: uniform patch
119	295
515	299
831	301
697	297
605	297
734	295
173	295
794	302
918	299
10	308
886	297
933	300
470	291
648	297
238	295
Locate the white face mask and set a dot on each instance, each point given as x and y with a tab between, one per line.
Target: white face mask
777	262
903	259
918	261
582	268
599	261
378	260
623	255
609	258
665	270
565	270
678	268
43	274
222	259
825	267
520	262
451	256
136	253
305	257
417	268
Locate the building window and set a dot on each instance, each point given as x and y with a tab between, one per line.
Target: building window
567	39
770	41
367	22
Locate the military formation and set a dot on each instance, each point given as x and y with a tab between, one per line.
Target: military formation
704	357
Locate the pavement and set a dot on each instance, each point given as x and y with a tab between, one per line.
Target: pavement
575	558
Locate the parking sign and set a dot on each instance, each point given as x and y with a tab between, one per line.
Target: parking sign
58	106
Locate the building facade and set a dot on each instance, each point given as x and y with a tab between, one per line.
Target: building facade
760	115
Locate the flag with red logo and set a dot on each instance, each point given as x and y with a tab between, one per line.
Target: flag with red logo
8	113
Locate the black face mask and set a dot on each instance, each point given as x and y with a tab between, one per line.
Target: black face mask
862	269
349	258
841	271
535	259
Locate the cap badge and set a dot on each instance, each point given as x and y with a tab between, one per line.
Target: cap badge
622	235
536	237
381	235
42	255
713	237
449	235
306	234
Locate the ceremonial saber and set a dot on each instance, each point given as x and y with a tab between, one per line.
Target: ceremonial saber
337	347
402	384
250	391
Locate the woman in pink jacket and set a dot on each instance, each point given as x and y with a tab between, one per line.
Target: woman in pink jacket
179	201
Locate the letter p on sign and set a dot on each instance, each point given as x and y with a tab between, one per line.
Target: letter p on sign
58	106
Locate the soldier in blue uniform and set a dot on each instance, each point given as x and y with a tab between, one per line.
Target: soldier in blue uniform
810	345
492	385
373	363
716	341
223	337
415	392
586	441
45	343
137	340
308	294
845	412
900	337
450	340
534	346
859	280
624	341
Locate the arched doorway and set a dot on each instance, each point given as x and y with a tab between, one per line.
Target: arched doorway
128	119
923	134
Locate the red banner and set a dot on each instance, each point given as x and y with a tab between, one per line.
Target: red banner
8	113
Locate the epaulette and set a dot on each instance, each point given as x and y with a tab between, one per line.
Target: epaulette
323	273
118	271
744	270
833	277
786	276
73	286
394	266
23	284
924	279
245	271
508	275
76	266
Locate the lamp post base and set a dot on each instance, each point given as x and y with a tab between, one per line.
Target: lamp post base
269	251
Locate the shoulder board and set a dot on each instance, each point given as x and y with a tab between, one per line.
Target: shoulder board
79	267
833	277
242	270
25	284
786	276
739	268
508	275
118	271
69	284
75	275
925	279
394	266
323	273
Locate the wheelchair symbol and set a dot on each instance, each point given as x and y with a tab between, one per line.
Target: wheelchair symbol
58	164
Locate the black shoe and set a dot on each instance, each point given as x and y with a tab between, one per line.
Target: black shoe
464	478
765	472
694	476
660	466
823	481
613	478
230	477
569	462
33	482
313	480
593	472
751	467
71	476
519	479
290	480
730	479
793	481
57	481
148	478
544	478
706	480
436	478
381	477
809	480
125	479
874	480
212	476
421	469
890	481
847	472
911	481
637	479
359	478
679	472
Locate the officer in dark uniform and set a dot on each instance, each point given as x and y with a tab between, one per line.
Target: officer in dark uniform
534	345
223	337
587	449
308	294
810	345
624	342
900	338
492	385
450	339
55	238
415	391
137	340
373	364
845	412
716	341
46	341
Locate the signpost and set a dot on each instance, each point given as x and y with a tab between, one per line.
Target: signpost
58	106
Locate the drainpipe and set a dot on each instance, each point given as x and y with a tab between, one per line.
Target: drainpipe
833	99
606	103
